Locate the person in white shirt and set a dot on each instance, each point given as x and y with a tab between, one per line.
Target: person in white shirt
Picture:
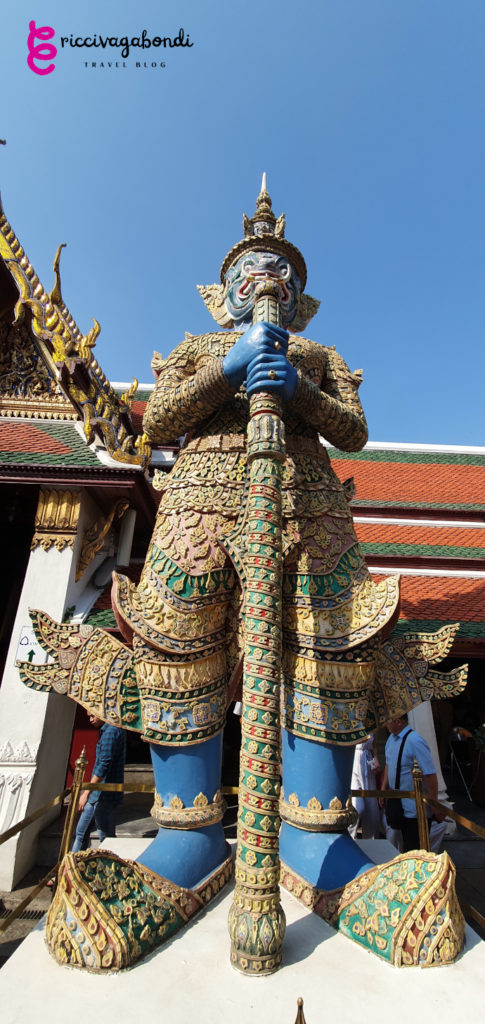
415	748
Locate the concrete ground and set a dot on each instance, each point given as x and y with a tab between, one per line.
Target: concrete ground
468	855
30	917
191	978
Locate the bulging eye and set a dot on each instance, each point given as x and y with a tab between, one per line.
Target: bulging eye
285	270
247	268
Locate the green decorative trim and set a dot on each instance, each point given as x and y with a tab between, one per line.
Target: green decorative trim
428	550
107	912
418	458
325	584
406	911
466	630
184	718
182	584
323	694
433	505
149	631
350	738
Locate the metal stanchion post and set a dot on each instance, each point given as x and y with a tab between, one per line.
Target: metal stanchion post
420	808
77	785
300	1017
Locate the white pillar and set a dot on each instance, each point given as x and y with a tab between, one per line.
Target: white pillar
421	719
36	728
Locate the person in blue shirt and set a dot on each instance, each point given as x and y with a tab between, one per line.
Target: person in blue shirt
109	766
415	748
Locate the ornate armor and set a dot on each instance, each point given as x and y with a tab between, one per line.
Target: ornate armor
186	604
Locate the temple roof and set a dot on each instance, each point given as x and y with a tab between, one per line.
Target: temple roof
431	601
47	367
422	541
415	477
44	443
419	511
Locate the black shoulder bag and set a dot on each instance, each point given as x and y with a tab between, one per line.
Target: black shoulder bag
394	808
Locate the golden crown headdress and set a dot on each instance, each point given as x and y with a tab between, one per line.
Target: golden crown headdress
264	232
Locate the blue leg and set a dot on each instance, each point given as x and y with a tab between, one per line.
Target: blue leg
327	860
186	855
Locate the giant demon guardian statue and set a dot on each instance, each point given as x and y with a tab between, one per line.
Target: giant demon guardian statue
253	570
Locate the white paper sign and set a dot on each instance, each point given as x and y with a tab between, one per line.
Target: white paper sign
29	648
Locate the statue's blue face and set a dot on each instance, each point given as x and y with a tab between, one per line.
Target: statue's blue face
249	271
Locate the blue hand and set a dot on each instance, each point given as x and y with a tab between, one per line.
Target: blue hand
272	372
260	339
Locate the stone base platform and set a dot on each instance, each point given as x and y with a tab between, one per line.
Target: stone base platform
191	979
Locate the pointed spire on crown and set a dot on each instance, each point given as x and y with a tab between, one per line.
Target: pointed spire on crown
264	231
264	222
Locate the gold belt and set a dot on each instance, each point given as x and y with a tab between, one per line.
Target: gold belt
237	442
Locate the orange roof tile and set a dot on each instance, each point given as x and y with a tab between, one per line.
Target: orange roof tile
415	483
429	541
137	410
25	437
445	598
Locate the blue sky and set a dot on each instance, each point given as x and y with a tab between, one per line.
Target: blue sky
368	117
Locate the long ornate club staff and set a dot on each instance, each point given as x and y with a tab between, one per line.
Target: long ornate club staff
256	918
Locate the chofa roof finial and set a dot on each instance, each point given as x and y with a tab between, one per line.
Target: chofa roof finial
55	294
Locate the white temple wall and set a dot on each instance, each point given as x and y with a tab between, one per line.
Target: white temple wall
36	728
421	720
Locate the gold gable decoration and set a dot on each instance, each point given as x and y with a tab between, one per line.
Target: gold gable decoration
56	519
27	388
67	356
